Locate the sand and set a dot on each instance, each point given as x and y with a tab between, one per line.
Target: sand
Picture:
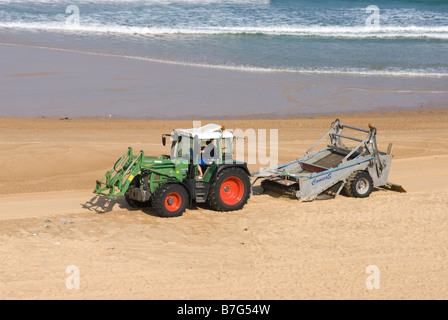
275	248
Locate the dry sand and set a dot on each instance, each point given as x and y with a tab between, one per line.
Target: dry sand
275	248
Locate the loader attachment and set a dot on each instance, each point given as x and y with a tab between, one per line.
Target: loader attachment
117	180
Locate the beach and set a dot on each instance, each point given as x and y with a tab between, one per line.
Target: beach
67	114
275	248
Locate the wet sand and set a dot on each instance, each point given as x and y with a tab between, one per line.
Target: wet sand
43	82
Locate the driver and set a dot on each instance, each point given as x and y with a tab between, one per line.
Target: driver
207	153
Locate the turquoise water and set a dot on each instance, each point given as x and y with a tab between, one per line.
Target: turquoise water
278	35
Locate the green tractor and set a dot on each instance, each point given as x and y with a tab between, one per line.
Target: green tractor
200	168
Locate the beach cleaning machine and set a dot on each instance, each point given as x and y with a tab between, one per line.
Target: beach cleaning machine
354	170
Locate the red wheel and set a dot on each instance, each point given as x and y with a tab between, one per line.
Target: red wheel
173	201
170	200
232	191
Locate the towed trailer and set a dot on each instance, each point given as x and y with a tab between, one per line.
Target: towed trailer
355	170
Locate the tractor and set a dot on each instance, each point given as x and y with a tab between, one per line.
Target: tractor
199	169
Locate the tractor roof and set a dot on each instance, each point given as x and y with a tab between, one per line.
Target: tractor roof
209	131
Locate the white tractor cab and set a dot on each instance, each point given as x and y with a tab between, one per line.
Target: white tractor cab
205	145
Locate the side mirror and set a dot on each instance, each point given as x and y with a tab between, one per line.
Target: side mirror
164	140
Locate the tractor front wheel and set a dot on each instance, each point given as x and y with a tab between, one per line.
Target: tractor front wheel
230	191
170	200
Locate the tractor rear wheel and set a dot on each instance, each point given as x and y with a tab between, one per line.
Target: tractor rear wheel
359	185
170	200
230	190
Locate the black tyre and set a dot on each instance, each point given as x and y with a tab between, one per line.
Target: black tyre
359	185
230	190
170	200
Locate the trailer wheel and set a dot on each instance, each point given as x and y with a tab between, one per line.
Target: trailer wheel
230	190
359	185
170	200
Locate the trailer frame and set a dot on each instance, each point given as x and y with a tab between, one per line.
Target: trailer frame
333	168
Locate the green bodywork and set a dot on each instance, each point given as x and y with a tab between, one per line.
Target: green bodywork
172	183
160	170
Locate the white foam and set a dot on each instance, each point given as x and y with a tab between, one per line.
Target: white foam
434	32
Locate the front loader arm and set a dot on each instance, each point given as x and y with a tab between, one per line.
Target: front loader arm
116	181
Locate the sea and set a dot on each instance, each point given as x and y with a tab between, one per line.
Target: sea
399	38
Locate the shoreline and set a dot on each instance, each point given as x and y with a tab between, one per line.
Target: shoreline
404	112
237	68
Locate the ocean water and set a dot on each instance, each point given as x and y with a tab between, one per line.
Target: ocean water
400	38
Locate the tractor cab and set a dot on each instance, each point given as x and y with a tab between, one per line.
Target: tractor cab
205	146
